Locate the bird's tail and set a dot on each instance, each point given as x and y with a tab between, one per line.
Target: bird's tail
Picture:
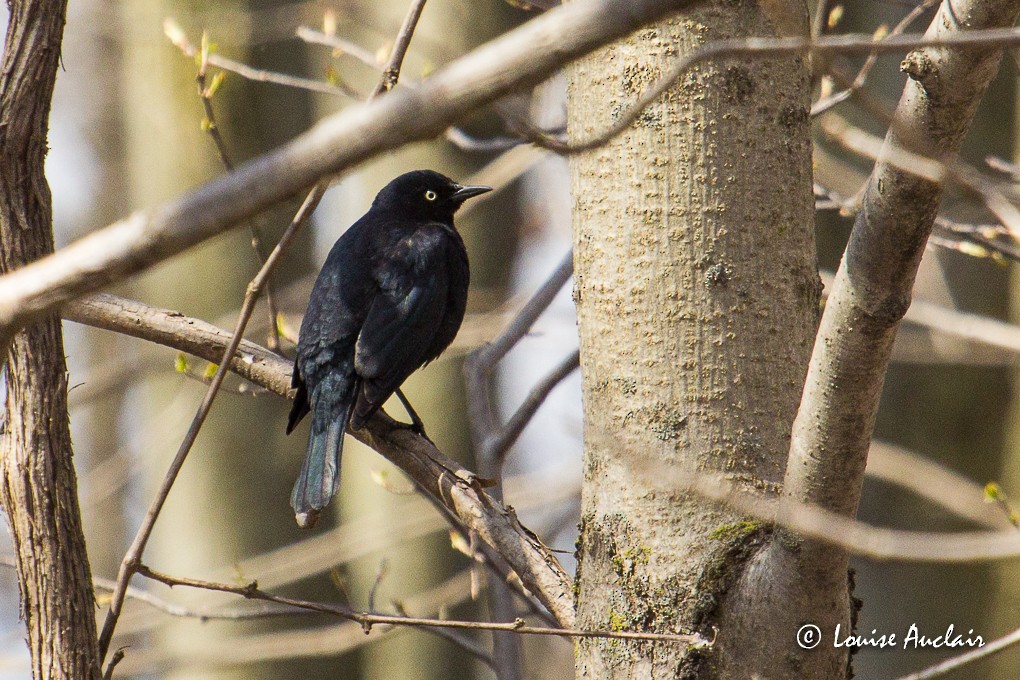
320	473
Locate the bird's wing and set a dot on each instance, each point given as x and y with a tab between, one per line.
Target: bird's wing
404	318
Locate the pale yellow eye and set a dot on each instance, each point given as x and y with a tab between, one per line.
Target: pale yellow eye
430	195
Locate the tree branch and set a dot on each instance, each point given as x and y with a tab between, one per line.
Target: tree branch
518	59
957	662
832	432
503	439
872	288
444	480
368	619
391	71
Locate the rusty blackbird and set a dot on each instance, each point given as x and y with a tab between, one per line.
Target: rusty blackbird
389	299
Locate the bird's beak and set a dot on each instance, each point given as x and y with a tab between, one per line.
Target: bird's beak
463	193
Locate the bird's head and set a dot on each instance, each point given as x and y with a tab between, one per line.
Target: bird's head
425	194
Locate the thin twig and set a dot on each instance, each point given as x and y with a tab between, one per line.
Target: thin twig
479	364
500	442
132	559
176	35
1012	170
949	665
924	166
117	657
813	521
987	236
543	297
461	641
391	71
251	591
380	574
850	43
205	95
991	238
310	35
826	103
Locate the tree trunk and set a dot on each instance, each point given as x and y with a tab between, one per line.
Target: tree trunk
697	298
39	490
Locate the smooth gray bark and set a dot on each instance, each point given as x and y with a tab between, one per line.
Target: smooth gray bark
697	297
797	581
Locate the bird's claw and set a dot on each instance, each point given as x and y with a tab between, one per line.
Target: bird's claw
418	428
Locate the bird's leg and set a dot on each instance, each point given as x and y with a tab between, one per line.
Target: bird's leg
416	423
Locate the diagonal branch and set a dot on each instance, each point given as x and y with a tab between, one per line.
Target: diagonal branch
133	558
443	479
516	60
391	71
869	297
502	440
872	288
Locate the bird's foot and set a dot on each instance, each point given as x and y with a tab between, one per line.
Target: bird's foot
418	428
416	425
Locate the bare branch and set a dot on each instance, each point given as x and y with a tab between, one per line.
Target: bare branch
176	35
826	103
465	643
500	442
316	641
38	485
478	367
164	326
487	356
957	662
949	490
833	529
368	619
826	46
205	94
926	167
391	71
871	292
310	35
176	610
518	59
444	480
976	240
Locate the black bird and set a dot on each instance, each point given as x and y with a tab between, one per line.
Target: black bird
389	299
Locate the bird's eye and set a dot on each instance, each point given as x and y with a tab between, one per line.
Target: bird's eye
430	195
